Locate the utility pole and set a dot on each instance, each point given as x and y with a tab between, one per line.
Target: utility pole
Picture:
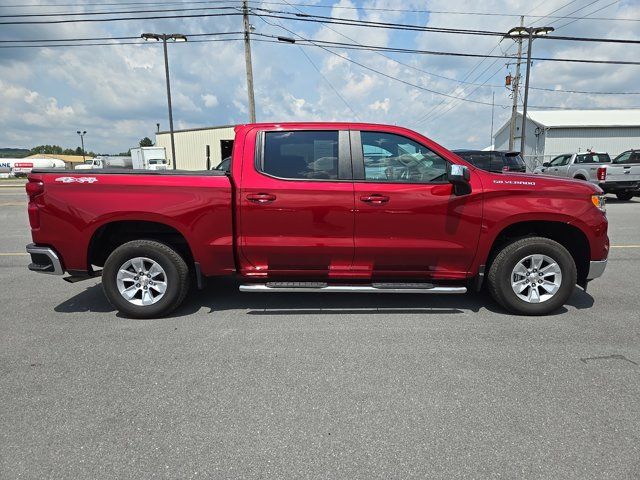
177	37
515	86
531	33
247	61
493	105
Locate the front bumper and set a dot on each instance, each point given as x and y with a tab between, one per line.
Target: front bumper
44	260
596	268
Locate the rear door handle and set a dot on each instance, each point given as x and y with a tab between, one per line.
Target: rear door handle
261	197
375	198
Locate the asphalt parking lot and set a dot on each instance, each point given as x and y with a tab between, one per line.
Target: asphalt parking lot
317	386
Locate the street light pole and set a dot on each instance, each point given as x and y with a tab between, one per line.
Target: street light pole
82	134
531	33
164	37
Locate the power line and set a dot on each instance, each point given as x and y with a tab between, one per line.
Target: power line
303	17
118	43
595	11
92	39
318	19
325	6
348	46
114	12
366	67
117	19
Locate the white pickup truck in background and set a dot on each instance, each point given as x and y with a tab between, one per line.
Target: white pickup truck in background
623	175
620	176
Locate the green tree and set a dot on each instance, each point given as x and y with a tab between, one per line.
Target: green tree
47	149
146	142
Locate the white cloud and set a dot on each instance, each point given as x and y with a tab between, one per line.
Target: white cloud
209	100
383	105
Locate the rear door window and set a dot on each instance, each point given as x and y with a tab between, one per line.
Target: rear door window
303	155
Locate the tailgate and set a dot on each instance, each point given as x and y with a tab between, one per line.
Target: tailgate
623	173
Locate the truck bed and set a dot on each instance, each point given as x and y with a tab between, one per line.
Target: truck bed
77	207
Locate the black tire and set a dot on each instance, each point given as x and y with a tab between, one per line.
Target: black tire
177	278
624	196
499	278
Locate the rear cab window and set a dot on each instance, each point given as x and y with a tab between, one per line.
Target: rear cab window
593	158
514	161
301	155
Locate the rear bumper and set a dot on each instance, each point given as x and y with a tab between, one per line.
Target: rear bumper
44	260
621	186
596	268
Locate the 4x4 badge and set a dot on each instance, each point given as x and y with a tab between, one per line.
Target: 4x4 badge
76	179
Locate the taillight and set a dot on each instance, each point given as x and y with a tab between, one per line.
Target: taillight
602	174
34	188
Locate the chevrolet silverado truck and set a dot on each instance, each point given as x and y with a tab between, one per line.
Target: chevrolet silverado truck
620	176
321	207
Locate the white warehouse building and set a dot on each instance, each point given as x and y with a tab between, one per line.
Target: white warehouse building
191	146
553	132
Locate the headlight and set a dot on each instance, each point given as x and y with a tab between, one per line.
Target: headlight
600	202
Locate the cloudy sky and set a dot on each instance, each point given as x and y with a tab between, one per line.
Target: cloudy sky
117	93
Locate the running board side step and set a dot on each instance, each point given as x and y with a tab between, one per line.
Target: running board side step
319	287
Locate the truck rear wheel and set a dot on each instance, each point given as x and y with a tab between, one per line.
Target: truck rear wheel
532	276
145	279
625	196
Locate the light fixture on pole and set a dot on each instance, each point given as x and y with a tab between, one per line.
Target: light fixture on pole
530	33
176	37
82	134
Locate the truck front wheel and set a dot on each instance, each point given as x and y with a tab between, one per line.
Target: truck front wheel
145	279
532	276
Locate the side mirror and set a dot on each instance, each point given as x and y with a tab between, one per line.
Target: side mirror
458	176
546	164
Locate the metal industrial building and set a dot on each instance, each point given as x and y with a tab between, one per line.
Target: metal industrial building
191	146
554	132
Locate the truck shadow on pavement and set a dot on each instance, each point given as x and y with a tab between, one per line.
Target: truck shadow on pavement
222	294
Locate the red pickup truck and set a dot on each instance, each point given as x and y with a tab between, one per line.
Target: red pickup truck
321	207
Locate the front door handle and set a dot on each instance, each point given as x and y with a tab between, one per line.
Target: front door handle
261	198
375	198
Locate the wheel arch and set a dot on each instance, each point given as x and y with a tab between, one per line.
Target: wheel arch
109	236
569	236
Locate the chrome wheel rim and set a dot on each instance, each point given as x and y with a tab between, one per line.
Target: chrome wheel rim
536	278
141	281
